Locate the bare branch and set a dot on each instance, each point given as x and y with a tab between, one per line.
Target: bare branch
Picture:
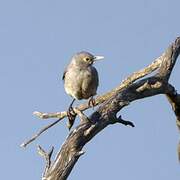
106	113
46	156
122	121
34	137
131	89
174	99
169	60
100	99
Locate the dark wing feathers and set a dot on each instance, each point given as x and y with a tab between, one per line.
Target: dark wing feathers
64	74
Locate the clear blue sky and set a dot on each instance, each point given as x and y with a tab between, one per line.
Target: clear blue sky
37	39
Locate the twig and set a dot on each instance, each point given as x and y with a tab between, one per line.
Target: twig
34	137
46	156
125	122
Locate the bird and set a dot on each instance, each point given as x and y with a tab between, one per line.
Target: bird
81	80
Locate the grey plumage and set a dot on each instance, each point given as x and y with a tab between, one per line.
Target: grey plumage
81	77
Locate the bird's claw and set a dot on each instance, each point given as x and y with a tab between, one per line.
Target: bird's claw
71	117
91	102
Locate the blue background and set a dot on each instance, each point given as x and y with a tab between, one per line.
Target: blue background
37	39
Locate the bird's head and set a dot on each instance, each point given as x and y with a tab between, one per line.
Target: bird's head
85	58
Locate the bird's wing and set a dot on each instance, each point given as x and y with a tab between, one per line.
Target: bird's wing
95	76
65	71
64	74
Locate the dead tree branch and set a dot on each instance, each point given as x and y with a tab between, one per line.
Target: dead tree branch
99	100
135	87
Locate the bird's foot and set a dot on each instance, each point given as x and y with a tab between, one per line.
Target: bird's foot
91	102
71	117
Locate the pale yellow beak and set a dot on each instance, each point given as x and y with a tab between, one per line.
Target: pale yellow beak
96	58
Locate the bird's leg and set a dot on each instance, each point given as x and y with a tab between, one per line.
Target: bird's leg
71	115
70	109
91	102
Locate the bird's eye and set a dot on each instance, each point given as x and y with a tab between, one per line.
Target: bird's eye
87	59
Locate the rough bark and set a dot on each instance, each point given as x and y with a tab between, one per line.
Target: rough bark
135	87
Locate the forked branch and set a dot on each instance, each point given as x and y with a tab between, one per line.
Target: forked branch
135	87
